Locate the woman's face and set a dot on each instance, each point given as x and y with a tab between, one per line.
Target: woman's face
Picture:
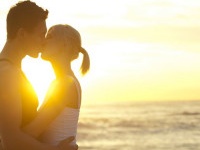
53	47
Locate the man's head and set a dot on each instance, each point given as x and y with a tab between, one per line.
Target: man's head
26	22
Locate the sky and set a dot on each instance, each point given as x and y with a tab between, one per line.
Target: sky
140	50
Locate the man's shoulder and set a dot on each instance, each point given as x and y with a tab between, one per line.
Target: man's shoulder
7	71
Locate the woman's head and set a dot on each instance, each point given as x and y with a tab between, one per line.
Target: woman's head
65	41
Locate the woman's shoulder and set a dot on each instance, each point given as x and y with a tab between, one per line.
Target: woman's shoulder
67	80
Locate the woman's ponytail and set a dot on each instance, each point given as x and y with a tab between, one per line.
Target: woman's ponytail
85	66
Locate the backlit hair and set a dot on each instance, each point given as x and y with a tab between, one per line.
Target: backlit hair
70	35
24	14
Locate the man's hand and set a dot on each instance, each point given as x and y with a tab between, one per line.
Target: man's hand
66	144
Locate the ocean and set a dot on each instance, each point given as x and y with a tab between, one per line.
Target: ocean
172	125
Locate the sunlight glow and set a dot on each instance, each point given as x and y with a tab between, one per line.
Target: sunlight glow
139	50
40	74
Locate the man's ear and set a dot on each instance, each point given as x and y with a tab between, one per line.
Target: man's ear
21	33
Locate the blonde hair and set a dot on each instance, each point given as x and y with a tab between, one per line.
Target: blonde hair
68	34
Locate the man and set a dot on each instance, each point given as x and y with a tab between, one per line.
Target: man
26	29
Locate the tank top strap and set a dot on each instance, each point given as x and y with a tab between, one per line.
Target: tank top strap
7	60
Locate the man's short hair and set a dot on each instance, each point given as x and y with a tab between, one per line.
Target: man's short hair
25	14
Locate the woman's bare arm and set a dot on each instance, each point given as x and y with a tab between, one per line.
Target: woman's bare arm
56	101
43	119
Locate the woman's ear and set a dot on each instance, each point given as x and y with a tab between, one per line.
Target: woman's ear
66	46
64	43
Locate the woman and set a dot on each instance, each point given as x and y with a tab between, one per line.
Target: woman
63	45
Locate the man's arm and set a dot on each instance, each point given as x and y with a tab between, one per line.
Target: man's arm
11	116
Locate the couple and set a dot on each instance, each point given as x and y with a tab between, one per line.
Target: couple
54	125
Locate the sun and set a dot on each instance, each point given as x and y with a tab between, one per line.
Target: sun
39	73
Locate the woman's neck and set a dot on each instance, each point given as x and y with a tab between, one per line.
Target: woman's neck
62	68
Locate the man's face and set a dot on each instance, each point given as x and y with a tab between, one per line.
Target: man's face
34	41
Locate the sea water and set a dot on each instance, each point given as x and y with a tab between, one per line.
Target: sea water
173	125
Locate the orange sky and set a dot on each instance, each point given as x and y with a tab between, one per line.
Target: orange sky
140	50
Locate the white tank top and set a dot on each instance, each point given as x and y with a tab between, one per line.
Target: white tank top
64	126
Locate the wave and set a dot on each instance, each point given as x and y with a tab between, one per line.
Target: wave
187	113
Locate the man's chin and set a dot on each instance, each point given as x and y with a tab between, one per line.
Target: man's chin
34	55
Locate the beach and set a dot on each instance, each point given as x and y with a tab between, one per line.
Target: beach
173	125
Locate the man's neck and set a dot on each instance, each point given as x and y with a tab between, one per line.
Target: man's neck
13	52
